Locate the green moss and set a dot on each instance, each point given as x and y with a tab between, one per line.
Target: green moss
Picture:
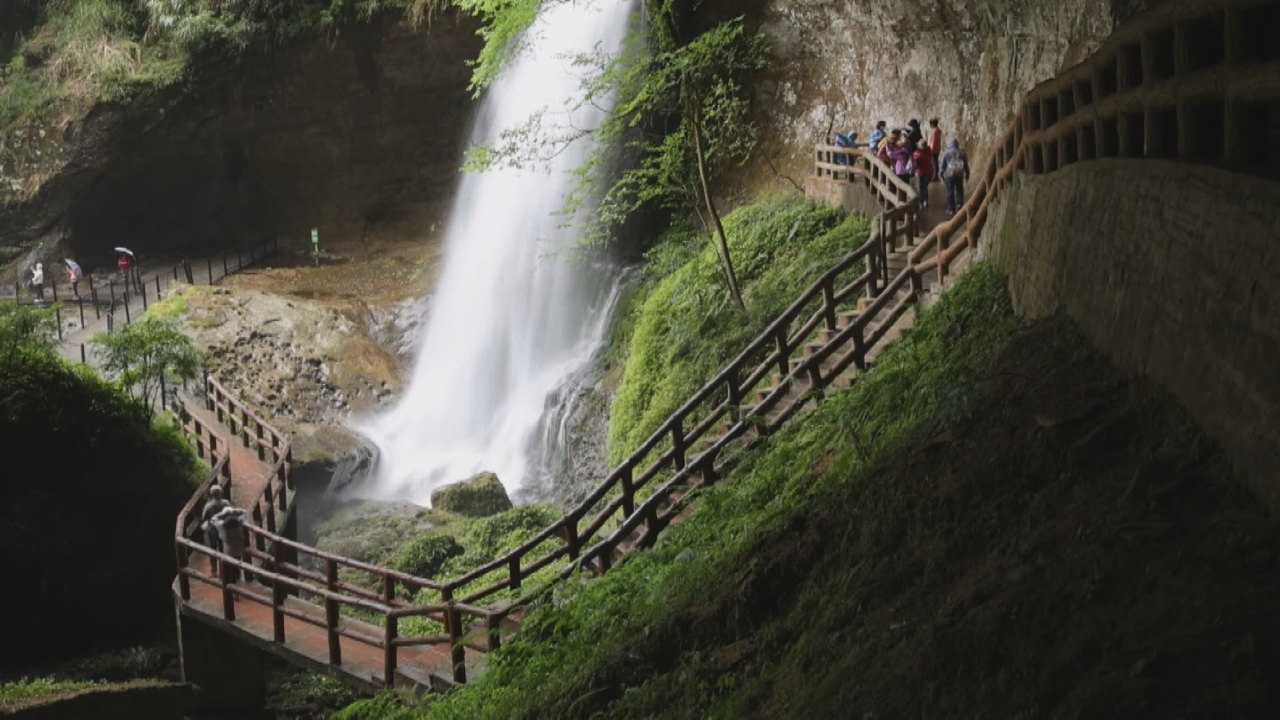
426	554
575	659
25	689
686	328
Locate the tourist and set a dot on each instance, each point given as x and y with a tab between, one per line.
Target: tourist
903	165
845	141
233	533
123	263
214	505
877	136
886	145
37	282
914	136
935	144
924	172
955	170
73	277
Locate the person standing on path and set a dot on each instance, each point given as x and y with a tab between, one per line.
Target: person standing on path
37	282
955	170
73	277
935	144
877	136
233	533
214	505
903	165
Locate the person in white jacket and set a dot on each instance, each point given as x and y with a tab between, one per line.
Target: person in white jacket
37	282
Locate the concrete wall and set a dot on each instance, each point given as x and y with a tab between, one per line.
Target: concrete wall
1172	269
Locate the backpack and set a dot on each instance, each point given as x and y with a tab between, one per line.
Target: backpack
956	167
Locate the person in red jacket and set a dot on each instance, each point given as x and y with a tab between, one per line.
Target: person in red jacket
924	172
934	141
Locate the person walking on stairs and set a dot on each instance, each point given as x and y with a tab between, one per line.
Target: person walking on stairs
955	170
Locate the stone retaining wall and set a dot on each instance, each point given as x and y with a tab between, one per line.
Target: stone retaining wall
1172	269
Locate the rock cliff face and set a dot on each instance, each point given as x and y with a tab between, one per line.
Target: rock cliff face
359	135
844	64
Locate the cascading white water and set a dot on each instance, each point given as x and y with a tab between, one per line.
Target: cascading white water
515	314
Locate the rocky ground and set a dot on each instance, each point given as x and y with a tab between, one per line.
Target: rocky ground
316	344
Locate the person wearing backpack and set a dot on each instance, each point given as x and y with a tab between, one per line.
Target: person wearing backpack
954	167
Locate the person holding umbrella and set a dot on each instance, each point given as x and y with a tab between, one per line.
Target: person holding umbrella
74	275
125	261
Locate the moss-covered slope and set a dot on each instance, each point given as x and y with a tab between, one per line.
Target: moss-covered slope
993	523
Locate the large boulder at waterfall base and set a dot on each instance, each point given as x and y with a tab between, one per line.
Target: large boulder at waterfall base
480	495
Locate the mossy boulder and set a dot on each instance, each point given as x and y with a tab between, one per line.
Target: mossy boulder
481	495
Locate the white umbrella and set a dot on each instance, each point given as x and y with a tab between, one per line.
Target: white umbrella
75	267
126	251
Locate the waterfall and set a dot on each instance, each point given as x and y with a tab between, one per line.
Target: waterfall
517	312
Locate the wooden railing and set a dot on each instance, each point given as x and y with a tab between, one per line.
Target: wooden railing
1099	109
272	447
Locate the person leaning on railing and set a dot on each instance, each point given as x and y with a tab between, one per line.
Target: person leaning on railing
216	504
233	532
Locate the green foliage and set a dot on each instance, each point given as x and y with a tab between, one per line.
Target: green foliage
626	629
686	328
426	554
26	330
94	474
145	354
303	694
503	31
25	689
386	706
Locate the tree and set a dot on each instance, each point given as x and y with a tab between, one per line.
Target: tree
26	329
698	83
145	354
680	108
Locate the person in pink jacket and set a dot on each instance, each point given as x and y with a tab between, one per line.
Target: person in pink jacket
934	141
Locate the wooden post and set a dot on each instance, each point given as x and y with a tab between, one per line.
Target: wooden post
144	295
278	592
677	441
457	651
389	651
628	492
127	319
784	354
513	568
571	537
331	612
493	623
97	311
829	303
209	267
228	599
81	304
184	582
